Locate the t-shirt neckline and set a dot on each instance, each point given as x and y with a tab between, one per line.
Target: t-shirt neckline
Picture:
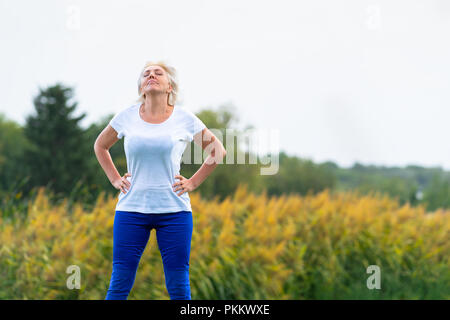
154	124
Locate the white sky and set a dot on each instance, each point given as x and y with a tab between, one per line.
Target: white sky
346	81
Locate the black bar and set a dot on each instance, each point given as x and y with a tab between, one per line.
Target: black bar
228	309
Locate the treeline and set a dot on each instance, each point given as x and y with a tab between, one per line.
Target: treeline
54	151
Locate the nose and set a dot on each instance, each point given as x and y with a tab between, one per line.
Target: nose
152	78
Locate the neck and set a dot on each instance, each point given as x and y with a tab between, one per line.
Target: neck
156	104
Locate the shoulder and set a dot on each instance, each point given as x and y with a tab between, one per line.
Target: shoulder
129	108
182	110
125	112
185	113
123	116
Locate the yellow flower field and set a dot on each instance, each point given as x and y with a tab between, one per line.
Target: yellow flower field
245	247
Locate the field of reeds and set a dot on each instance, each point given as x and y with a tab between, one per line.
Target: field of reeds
245	247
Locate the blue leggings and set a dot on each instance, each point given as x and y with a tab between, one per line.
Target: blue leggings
131	232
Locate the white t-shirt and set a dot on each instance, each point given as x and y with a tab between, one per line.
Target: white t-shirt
153	153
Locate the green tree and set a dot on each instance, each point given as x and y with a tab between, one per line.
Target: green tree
98	181
12	147
57	155
437	193
300	176
226	177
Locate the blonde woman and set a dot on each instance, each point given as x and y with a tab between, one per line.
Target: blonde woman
153	194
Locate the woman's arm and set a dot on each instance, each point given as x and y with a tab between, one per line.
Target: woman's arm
207	140
106	139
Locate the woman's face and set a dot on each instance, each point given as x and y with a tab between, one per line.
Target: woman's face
154	79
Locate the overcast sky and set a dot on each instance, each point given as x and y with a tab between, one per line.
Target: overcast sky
345	81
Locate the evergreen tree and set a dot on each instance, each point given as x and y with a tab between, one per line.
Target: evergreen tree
57	157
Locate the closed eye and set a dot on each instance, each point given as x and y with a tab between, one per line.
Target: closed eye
147	74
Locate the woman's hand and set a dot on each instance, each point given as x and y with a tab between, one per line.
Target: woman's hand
122	184
184	184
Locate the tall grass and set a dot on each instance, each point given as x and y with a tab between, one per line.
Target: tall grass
245	247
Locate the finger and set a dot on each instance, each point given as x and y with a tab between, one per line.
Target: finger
179	184
178	188
182	188
126	182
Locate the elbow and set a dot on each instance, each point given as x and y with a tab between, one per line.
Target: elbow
223	153
218	153
96	143
98	146
222	150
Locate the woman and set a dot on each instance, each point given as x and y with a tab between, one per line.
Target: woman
153	194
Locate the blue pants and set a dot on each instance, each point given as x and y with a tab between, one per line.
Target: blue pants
131	232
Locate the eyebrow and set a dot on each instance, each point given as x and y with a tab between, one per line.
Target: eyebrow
148	70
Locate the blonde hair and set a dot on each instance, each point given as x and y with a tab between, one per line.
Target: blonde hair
173	81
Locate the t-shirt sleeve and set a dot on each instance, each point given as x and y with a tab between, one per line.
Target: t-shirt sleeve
118	123
196	125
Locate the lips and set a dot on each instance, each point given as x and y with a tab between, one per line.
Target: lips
152	81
